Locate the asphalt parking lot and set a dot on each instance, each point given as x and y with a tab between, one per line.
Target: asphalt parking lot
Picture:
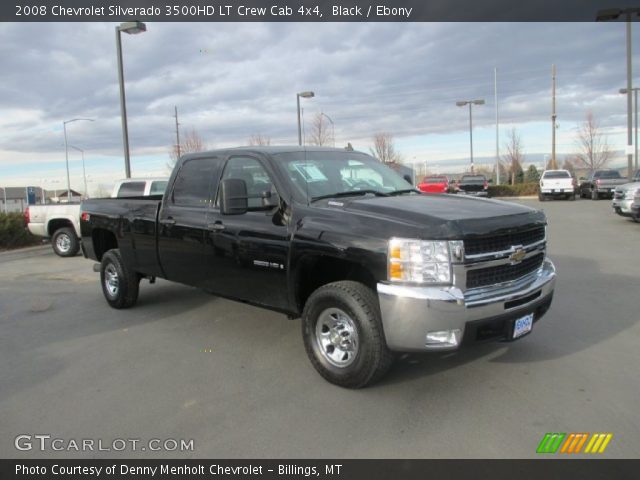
236	380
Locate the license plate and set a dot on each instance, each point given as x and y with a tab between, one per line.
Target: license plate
522	325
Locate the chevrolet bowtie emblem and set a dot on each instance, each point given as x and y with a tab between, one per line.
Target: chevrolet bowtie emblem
517	256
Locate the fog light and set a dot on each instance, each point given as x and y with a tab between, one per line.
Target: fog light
444	338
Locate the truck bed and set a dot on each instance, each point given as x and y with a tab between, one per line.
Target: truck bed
135	221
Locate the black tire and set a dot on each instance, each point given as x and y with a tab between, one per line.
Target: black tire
541	197
123	292
65	243
572	197
371	359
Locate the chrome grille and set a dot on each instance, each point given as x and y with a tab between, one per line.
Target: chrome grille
482	277
497	243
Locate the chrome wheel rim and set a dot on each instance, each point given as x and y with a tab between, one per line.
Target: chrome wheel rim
63	243
111	281
337	337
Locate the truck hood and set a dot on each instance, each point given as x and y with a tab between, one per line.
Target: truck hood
444	216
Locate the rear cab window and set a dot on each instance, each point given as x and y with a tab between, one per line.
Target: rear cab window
556	174
131	189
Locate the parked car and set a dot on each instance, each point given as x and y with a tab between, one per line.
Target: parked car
600	183
370	270
635	207
434	184
476	185
61	224
623	198
556	184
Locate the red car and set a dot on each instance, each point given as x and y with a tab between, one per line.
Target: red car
434	184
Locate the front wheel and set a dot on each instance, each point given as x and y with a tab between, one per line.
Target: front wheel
541	197
343	335
65	243
120	286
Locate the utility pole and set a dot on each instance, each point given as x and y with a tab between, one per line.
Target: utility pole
177	132
495	93
554	165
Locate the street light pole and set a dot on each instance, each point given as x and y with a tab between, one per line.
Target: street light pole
66	151
303	95
613	14
635	142
130	28
470	103
84	172
333	130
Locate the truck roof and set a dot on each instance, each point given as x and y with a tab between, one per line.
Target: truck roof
270	149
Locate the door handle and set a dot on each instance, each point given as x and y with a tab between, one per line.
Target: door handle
217	227
168	221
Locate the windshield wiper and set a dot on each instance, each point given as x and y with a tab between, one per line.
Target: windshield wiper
350	193
407	190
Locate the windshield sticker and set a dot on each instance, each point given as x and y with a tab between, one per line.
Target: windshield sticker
310	172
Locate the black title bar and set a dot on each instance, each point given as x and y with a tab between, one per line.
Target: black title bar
304	10
328	469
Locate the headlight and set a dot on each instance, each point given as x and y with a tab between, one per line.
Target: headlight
420	261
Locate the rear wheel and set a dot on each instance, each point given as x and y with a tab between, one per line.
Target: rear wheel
65	243
343	335
120	286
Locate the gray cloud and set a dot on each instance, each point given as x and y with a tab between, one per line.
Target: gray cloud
232	80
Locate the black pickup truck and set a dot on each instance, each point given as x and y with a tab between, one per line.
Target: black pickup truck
371	265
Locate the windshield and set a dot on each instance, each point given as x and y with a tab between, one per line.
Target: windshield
607	174
556	174
434	180
323	174
473	179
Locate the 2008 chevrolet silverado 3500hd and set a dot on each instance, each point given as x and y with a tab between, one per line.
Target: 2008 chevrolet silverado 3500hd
371	265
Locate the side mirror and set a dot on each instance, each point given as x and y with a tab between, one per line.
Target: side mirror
233	196
408	179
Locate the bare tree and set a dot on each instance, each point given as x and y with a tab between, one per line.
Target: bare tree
320	132
191	142
259	140
594	149
384	148
513	157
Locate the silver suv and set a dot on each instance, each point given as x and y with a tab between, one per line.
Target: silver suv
623	198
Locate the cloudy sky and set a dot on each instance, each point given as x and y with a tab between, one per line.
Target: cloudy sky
230	81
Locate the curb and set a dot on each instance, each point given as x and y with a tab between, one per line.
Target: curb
18	251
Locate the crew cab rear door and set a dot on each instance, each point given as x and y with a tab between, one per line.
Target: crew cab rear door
246	255
182	220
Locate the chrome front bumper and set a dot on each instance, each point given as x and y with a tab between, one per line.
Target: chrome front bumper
409	312
624	204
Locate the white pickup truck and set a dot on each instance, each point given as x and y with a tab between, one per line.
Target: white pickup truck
61	223
557	183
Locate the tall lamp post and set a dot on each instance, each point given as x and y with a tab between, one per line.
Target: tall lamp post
462	103
303	95
635	140
66	151
613	14
131	28
84	172
333	129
